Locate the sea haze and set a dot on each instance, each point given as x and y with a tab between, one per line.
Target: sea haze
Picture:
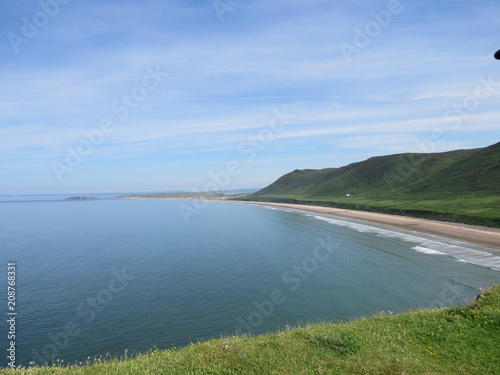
109	275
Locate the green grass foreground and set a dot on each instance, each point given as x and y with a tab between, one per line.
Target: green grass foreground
455	340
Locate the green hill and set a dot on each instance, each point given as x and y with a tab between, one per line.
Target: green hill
459	186
461	340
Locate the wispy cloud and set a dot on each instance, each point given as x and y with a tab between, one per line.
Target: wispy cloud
224	80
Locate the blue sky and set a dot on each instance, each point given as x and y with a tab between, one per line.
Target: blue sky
178	94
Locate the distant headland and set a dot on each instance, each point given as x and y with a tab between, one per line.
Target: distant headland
81	197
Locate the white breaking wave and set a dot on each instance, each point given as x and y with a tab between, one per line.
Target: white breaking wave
280	209
425	250
428	243
461	250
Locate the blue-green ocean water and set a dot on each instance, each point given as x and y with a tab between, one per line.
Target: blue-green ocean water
102	276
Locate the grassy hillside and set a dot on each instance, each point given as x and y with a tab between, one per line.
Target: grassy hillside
456	340
460	186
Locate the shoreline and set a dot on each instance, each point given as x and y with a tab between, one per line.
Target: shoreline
480	235
475	234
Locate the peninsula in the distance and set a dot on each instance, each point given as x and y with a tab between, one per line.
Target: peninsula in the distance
80	197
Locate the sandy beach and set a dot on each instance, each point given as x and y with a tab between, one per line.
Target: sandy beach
481	235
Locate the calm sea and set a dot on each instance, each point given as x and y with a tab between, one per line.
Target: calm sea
109	275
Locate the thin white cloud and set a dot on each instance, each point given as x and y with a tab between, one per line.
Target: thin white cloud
226	77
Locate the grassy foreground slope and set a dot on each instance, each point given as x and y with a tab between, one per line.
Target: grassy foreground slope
455	340
460	186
